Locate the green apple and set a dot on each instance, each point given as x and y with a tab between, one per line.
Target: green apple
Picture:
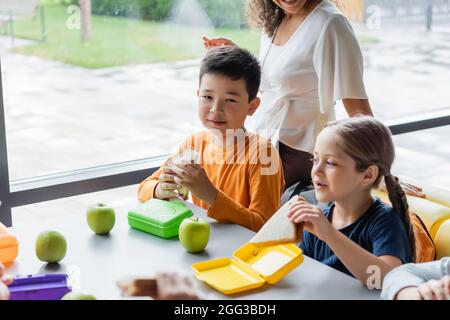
78	296
51	246
194	234
101	218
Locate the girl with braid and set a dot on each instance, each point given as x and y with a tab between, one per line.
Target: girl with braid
356	234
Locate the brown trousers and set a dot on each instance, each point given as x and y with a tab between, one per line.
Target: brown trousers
297	165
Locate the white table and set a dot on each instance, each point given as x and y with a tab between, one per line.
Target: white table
97	262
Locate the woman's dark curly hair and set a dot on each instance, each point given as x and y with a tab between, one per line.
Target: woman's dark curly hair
266	15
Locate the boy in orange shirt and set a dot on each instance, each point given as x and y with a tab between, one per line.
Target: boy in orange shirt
237	176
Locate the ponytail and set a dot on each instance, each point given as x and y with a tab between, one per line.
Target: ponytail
399	202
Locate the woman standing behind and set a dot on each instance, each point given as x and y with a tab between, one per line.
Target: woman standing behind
310	59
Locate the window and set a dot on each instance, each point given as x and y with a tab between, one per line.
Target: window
116	81
423	156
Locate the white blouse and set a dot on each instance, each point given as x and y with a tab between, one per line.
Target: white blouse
320	64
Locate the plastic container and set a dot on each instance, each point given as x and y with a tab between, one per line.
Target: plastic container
9	245
432	214
250	268
159	217
39	287
442	240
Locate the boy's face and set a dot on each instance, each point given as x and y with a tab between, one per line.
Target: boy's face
223	103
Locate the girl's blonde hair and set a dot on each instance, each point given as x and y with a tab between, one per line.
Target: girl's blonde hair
266	15
369	142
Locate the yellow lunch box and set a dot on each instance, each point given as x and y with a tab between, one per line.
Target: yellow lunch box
250	267
432	214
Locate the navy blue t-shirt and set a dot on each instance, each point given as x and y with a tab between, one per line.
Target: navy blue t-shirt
379	231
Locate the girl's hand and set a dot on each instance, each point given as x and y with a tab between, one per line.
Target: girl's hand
4	281
217	42
167	187
194	177
312	218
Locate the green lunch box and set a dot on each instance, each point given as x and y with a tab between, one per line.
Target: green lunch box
159	217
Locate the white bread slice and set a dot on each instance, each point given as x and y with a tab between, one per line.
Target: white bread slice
279	229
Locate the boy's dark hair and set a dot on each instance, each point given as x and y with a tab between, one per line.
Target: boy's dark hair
235	63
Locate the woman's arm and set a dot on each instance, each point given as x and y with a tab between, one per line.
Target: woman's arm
357	106
413	275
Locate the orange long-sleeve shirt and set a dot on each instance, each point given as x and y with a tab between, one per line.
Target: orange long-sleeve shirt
250	183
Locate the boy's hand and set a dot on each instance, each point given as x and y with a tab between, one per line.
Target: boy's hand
167	187
312	218
431	290
217	42
194	177
4	281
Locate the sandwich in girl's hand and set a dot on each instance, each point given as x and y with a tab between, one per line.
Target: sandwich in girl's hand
279	228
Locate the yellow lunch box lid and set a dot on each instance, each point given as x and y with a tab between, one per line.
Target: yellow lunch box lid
251	266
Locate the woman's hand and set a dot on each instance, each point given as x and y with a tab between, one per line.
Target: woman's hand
194	177
431	290
312	218
217	42
409	189
4	281
412	190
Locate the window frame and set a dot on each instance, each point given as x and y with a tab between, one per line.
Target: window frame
76	182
